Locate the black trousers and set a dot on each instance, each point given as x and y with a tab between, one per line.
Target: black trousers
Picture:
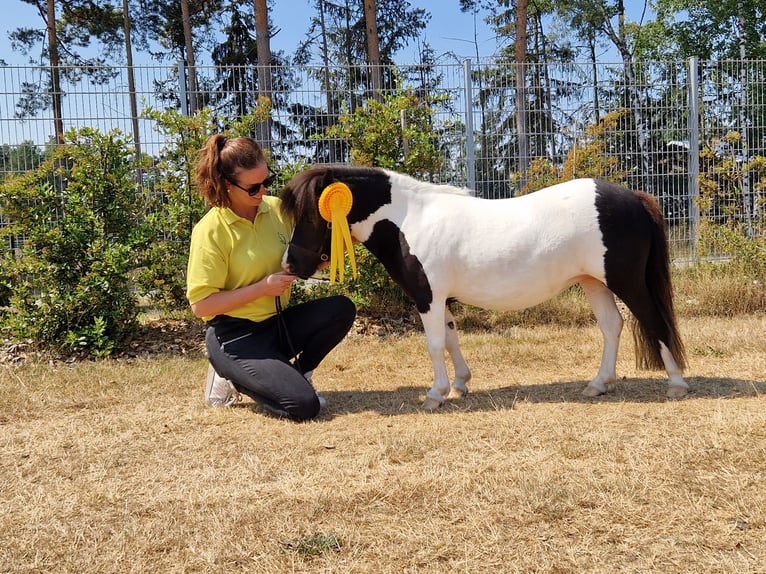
266	360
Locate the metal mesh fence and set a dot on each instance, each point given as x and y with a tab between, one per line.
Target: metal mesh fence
662	127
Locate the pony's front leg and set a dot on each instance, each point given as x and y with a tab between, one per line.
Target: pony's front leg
462	372
433	325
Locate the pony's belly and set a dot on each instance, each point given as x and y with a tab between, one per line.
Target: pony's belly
505	297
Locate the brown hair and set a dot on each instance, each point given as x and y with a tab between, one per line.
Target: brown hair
218	163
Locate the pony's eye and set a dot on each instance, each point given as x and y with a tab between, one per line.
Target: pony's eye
324	257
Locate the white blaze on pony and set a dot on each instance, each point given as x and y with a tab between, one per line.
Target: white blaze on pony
440	244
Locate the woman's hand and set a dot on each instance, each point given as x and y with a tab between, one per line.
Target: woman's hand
276	283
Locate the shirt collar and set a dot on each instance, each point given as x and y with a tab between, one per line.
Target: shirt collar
230	217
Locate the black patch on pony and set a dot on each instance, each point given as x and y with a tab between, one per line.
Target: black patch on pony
371	190
622	220
637	269
390	246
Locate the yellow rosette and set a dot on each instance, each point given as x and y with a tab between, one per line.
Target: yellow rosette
334	205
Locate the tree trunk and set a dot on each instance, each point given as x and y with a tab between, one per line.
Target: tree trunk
749	208
373	47
132	86
331	112
53	49
633	95
193	92
350	60
521	99
263	48
594	75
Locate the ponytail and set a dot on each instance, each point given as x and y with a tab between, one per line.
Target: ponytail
210	182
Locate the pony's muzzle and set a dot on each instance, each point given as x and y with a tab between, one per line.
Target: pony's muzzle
301	261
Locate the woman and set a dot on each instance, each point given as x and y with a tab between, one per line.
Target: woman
236	284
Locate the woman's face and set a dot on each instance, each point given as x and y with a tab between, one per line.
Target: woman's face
248	186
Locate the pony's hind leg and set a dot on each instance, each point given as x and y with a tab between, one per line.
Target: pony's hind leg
610	322
462	372
652	333
677	386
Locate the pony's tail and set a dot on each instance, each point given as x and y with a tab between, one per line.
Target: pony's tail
658	281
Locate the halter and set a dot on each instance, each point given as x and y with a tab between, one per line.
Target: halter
314	253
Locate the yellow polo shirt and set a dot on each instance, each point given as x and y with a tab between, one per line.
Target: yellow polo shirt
228	252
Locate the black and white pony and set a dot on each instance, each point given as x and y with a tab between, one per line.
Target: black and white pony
440	244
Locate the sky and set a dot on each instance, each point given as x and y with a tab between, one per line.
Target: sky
450	32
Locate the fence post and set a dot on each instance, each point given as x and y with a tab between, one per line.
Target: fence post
470	151
182	87
694	155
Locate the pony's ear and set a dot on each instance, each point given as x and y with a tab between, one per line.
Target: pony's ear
293	196
307	195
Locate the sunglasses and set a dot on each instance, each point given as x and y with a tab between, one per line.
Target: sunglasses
256	187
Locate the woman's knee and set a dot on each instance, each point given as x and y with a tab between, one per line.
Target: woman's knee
305	410
344	309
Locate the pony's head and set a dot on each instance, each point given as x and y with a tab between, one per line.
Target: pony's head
310	243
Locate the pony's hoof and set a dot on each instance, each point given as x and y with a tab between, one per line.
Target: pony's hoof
457	393
591	391
677	392
431	404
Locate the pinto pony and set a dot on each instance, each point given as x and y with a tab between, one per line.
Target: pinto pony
441	244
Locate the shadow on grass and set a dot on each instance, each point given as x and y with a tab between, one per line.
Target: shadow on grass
407	400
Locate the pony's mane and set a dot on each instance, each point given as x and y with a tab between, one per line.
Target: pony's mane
427	187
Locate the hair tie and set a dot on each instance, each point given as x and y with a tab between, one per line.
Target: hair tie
222	142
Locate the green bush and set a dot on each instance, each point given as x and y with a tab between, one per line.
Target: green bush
68	286
398	132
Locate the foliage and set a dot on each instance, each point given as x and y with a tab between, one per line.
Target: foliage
337	38
343	27
733	222
80	24
22	157
176	207
540	174
158	26
81	222
397	132
747	253
236	70
588	158
713	29
731	189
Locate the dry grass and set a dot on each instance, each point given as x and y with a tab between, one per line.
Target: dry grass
117	466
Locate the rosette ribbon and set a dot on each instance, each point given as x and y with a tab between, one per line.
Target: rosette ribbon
334	206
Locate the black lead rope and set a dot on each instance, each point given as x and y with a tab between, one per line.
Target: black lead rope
283	332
